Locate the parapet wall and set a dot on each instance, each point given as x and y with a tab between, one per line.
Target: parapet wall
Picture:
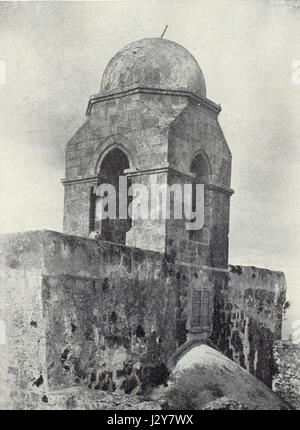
77	313
109	317
247	319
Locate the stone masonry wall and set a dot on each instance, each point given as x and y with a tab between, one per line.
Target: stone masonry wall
109	317
286	380
23	371
247	319
104	316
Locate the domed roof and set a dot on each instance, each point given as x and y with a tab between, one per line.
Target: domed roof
155	63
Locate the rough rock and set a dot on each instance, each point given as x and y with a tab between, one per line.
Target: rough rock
204	375
80	398
224	404
286	381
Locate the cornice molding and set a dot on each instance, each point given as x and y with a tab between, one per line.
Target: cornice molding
150	171
220	189
65	181
160	169
98	98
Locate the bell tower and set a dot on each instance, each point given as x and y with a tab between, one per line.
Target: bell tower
153	124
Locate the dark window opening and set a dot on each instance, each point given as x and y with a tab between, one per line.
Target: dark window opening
200	168
113	230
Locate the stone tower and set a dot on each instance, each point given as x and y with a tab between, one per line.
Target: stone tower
152	123
118	313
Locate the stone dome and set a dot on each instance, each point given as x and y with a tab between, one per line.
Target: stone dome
154	63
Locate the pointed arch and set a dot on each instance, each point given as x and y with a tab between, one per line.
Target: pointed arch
200	166
113	142
108	221
200	161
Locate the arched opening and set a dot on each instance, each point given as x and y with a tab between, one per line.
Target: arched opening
111	168
201	169
114	163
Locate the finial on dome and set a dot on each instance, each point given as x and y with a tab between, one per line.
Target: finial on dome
164	31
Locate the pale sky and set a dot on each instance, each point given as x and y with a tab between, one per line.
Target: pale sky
55	54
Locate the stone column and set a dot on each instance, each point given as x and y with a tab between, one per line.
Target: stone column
146	232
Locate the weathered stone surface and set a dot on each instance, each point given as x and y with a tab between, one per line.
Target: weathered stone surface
204	375
224	404
247	319
105	316
286	379
102	316
155	62
80	398
160	134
